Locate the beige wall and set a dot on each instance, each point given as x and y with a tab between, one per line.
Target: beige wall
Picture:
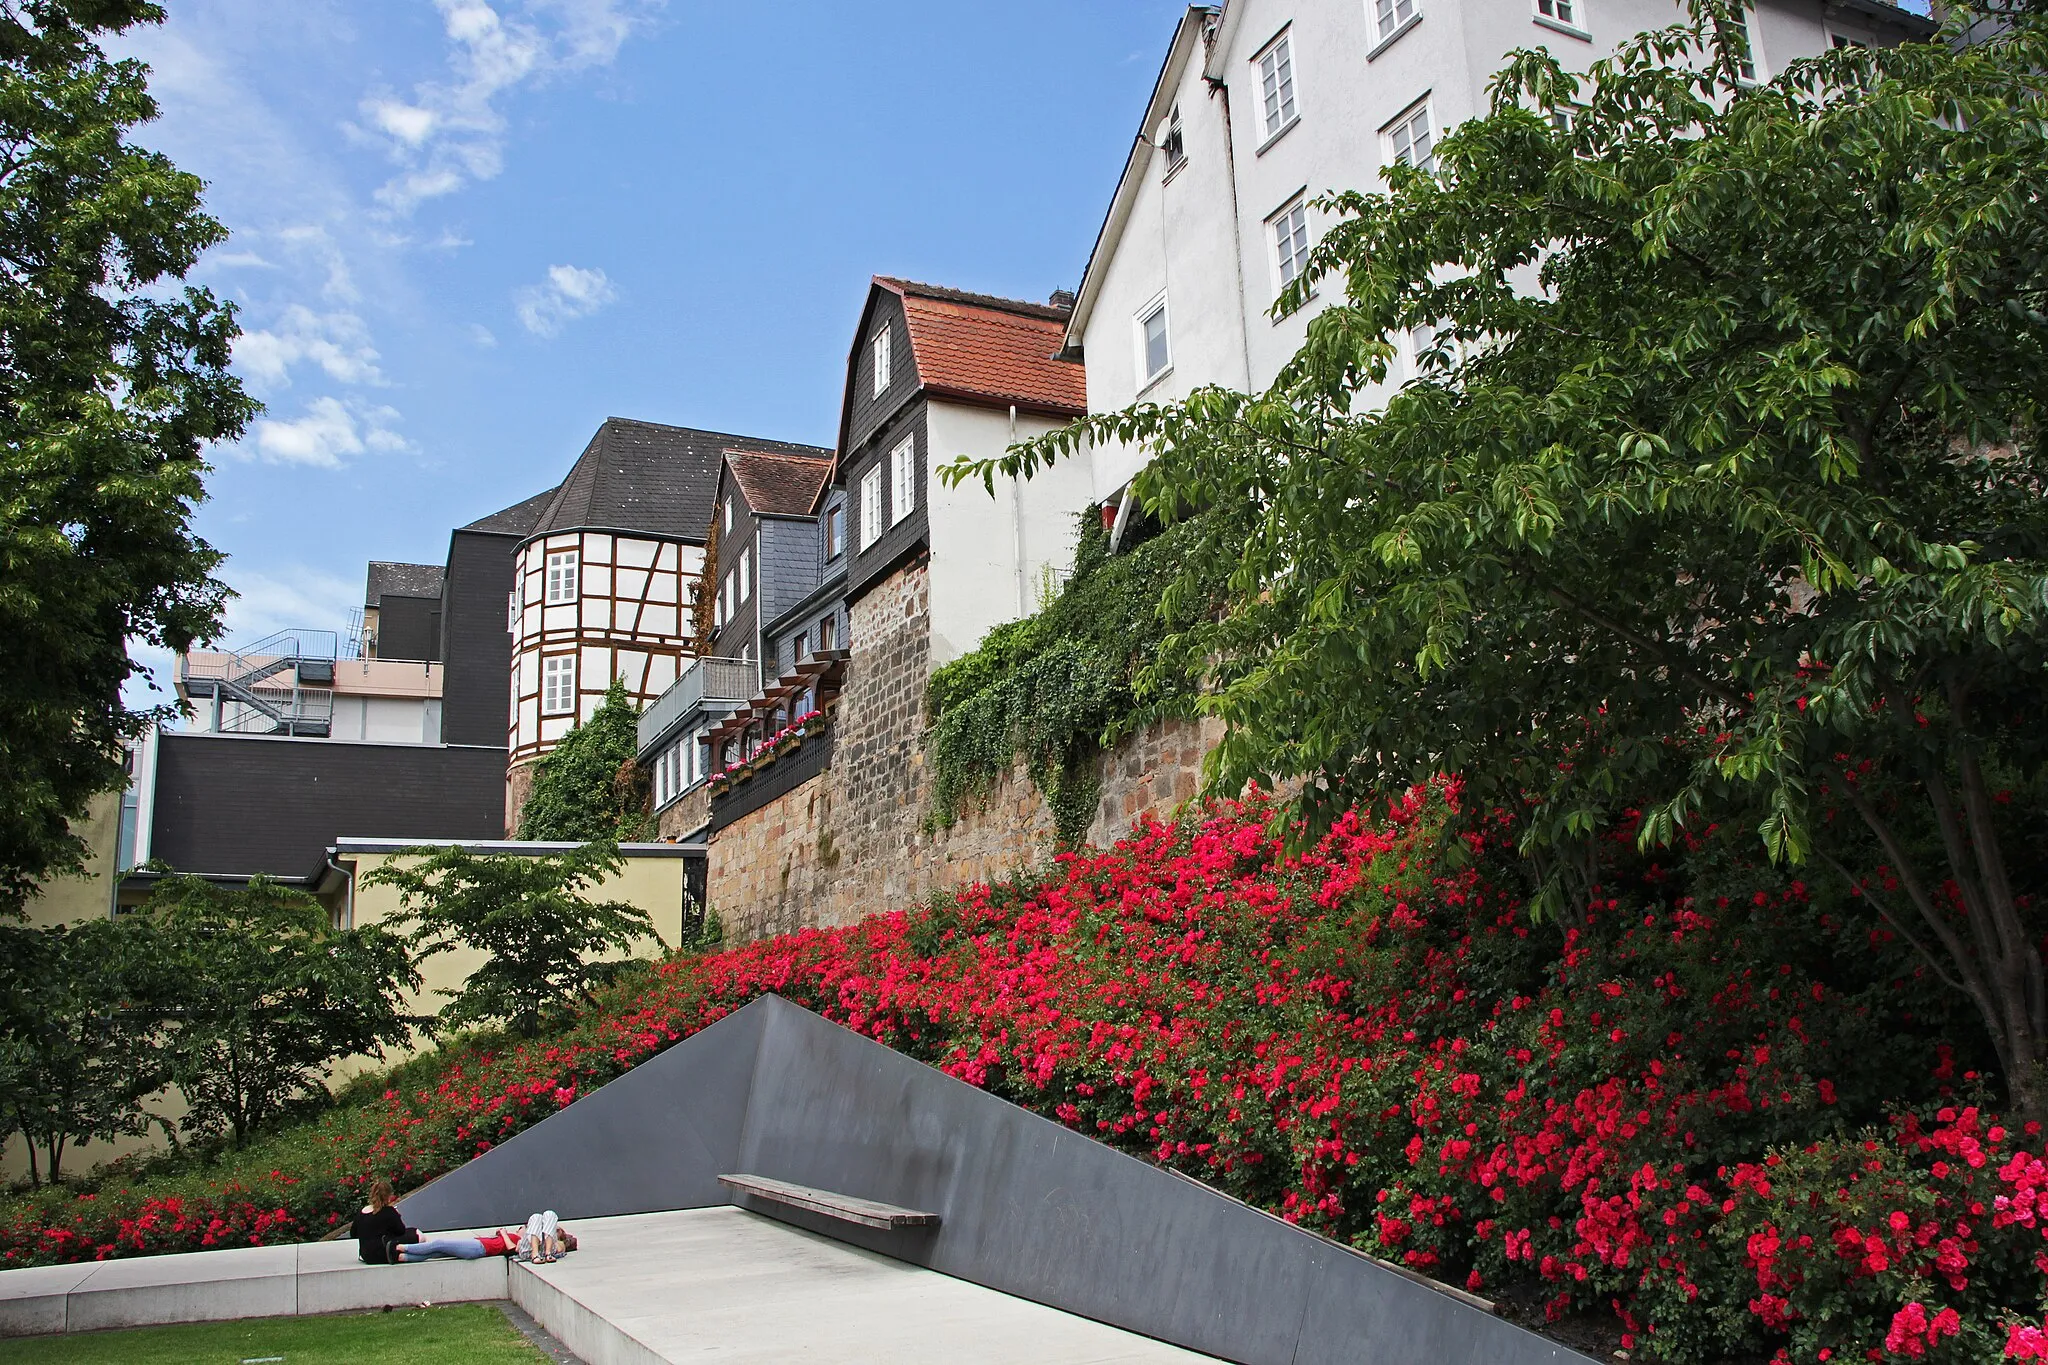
655	884
69	899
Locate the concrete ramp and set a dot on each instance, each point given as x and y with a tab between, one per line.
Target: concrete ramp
1026	1206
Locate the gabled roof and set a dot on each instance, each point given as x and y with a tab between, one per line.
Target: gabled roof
981	349
777	483
647	477
401	580
1187	30
516	520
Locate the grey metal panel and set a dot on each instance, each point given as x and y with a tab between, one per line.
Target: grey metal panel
656	1138
1026	1206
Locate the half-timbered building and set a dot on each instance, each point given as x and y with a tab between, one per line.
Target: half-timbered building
605	584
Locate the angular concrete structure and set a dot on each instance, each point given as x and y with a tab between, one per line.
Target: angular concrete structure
1026	1206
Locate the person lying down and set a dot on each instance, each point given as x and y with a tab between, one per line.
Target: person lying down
542	1239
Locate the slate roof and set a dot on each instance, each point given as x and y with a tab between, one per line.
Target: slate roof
518	519
990	350
401	580
643	476
776	483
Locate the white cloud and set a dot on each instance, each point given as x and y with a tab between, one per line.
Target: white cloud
482	335
451	132
292	596
569	292
339	343
329	432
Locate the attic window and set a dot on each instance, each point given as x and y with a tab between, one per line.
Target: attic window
1173	143
882	359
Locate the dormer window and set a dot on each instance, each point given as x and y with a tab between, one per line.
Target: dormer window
882	361
1172	143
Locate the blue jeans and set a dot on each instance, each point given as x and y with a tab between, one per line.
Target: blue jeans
461	1248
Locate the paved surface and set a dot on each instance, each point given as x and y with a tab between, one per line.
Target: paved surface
726	1285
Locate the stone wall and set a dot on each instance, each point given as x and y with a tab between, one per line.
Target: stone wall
851	842
518	786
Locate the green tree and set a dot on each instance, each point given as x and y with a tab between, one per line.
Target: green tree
1719	496
529	915
81	1035
112	381
266	995
589	786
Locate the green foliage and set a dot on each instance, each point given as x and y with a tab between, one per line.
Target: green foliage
81	1035
1089	668
1719	495
589	787
453	1334
112	381
265	994
528	915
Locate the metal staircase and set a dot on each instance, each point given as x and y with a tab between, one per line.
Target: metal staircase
282	684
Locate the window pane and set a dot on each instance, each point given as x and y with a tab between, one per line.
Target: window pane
1155	341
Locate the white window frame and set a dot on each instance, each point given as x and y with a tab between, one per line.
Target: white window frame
1567	16
903	479
882	360
1391	18
728	514
558	685
1759	69
835	531
1288	240
1147	376
512	612
746	588
1173	142
718	605
1403	123
1279	107
562	575
871	505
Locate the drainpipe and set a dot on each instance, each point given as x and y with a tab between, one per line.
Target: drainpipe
1017	529
1222	89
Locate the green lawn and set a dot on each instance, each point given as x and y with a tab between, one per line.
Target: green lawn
460	1334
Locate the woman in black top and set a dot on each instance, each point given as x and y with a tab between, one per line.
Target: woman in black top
377	1227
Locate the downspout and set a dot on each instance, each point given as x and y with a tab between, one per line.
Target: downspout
1017	529
1244	334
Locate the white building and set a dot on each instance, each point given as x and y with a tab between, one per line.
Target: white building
1264	104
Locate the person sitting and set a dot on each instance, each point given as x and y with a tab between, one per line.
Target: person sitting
377	1227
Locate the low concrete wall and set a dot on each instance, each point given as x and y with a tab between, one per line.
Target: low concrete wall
241	1282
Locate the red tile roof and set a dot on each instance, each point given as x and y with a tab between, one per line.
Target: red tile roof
778	482
990	350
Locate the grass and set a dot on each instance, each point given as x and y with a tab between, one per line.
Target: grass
460	1334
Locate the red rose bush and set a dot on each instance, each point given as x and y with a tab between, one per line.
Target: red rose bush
1714	1111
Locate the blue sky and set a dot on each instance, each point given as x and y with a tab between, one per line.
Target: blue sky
466	231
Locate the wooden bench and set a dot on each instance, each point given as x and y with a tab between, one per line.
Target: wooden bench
845	1207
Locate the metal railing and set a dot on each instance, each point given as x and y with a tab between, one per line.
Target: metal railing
728	681
280	684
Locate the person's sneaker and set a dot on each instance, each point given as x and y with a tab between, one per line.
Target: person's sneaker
391	1245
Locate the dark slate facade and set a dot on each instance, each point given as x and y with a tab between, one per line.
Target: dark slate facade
235	805
476	646
781	512
875	424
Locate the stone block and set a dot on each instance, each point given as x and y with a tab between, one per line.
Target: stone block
193	1286
32	1300
333	1280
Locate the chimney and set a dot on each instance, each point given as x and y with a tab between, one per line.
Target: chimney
1062	298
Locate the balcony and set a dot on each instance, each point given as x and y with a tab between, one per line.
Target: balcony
705	682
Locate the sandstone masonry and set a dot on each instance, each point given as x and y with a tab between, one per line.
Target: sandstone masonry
851	842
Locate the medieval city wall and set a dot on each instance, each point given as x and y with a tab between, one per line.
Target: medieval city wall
851	842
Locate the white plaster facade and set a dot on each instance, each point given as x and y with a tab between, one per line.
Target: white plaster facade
992	557
1199	234
625	613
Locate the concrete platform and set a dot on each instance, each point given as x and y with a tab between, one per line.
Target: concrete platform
239	1282
648	1289
727	1285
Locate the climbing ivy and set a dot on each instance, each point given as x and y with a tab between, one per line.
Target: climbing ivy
1057	688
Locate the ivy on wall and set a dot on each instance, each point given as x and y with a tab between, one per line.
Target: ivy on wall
1057	688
